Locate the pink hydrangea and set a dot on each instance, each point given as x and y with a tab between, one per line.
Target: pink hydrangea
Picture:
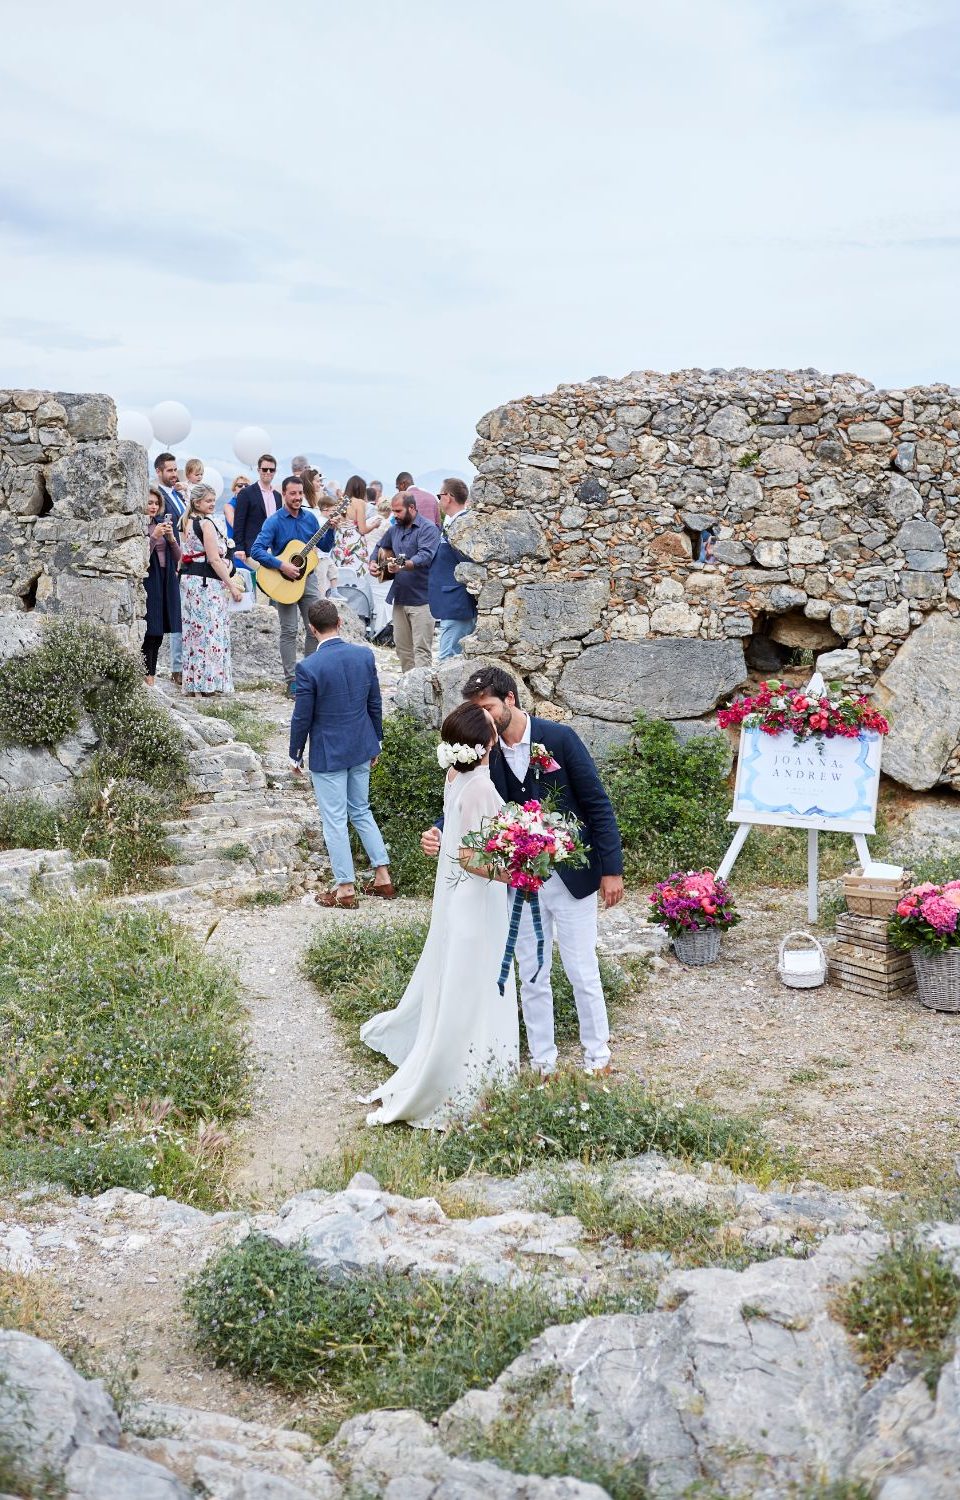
951	893
941	915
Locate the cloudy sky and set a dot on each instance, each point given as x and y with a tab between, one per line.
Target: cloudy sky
363	225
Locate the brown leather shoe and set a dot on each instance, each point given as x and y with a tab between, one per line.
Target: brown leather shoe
342	903
387	890
177	677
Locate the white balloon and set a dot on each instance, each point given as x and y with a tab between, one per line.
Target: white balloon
250	442
171	421
134	427
214	479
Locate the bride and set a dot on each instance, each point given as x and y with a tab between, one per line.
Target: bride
453	1032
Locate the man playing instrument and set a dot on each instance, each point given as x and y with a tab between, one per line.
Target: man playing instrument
291	524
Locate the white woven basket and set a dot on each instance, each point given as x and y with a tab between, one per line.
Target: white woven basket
801	968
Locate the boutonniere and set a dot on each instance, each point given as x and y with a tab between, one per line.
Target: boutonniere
541	759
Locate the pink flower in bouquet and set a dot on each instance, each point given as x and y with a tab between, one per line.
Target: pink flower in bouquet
531	807
907	906
941	915
952	894
922	890
952	885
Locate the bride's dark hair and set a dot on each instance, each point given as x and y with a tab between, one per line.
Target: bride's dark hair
467	725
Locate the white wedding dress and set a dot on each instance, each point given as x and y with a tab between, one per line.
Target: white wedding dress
452	1032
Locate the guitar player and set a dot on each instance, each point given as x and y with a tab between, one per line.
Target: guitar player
291	524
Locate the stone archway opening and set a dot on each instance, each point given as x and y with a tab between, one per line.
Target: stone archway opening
781	641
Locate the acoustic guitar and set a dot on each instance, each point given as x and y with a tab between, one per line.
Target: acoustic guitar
300	555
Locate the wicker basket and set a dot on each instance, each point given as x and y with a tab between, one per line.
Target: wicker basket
700	947
938	978
801	969
871	897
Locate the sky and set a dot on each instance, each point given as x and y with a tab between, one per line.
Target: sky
361	226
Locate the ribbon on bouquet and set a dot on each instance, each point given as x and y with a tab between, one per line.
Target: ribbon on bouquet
515	914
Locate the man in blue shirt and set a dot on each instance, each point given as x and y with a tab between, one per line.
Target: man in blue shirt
405	554
451	604
290	524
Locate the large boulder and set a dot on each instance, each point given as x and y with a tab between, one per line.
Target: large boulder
504	538
667	679
541	613
918	693
47	1411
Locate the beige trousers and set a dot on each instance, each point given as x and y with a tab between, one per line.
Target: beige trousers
413	635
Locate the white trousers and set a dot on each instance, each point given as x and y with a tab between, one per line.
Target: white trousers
574	925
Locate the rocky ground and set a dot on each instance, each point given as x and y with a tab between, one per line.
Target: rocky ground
738	1380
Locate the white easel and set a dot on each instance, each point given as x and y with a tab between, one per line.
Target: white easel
815	688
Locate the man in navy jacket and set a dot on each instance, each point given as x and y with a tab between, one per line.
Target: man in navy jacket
338	705
451	604
568	900
254	504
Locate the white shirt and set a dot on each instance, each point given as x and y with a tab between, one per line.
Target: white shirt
518	755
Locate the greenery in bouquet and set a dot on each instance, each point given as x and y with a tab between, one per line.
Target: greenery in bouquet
692	901
776	708
928	916
524	842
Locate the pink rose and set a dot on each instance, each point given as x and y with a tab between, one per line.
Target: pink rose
907	906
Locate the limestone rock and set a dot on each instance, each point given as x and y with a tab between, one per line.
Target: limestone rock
98	1473
919	534
800	632
542	613
730	423
901	500
838	666
668	679
918	694
484	536
47	1411
847	620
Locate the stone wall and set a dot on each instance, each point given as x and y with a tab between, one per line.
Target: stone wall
72	532
641	543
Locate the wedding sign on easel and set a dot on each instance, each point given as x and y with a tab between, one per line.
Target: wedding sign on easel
815	783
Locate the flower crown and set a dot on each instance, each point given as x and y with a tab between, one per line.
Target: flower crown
459	755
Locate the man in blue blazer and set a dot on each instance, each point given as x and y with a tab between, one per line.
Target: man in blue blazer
338	705
520	771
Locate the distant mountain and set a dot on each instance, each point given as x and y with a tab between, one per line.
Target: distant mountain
433	478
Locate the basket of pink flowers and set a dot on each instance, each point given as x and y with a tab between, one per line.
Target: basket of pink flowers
696	908
926	923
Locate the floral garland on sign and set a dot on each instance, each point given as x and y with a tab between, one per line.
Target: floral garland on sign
777	709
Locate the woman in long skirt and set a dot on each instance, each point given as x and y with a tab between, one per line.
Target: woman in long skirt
205	587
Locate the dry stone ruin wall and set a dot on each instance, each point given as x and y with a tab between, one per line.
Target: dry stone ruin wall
640	543
72	531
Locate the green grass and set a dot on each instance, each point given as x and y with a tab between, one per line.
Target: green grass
364	970
369	1340
908	1301
406	792
235	852
512	1443
245	722
527	1124
264	898
123	1043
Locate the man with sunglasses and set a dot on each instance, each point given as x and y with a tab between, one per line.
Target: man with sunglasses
253	506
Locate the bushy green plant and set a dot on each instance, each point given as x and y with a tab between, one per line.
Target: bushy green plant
140	739
576	1118
364	970
383	1340
406	792
671	800
909	1300
515	1444
245	722
27	822
44	692
118	819
119	1035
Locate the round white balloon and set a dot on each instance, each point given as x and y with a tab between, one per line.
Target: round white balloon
250	442
171	421
134	427
214	479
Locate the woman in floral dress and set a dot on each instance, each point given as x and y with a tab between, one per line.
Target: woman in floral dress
205	587
350	549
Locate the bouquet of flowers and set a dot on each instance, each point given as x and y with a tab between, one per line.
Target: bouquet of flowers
691	901
776	708
524	843
927	917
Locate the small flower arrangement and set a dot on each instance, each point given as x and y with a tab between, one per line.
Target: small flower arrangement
776	709
459	755
692	901
541	759
928	916
524	842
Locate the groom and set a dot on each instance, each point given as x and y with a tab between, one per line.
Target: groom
568	900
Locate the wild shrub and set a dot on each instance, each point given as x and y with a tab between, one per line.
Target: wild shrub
513	1442
45	691
121	1041
365	970
406	791
119	819
381	1339
908	1301
671	800
27	822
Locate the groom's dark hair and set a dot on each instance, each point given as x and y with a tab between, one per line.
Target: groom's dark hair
493	681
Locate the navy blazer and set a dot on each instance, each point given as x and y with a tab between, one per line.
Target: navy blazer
338	705
249	514
448	598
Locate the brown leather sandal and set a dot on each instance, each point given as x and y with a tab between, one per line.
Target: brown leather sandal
341	903
387	890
